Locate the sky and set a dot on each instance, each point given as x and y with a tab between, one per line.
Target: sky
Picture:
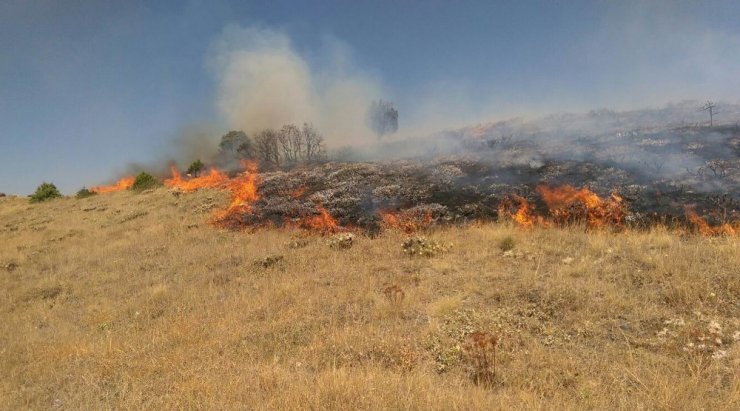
89	87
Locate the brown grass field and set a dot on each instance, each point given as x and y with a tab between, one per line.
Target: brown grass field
133	301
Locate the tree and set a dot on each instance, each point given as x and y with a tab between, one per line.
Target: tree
382	118
291	143
709	106
314	143
46	191
234	146
267	147
195	168
144	181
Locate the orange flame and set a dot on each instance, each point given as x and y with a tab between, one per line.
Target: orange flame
407	221
123	184
707	230
524	216
243	189
323	222
567	203
298	193
214	179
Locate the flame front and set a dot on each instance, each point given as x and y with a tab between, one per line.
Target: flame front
243	189
214	179
567	203
707	230
323	222
524	216
123	184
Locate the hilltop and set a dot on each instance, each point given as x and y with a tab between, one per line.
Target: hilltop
135	301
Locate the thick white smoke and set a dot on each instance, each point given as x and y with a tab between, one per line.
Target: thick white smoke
263	82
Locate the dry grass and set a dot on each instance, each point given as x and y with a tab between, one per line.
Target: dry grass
133	301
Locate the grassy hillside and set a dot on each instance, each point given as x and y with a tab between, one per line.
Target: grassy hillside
134	301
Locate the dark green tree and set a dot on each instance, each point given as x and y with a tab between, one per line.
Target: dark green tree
46	191
195	168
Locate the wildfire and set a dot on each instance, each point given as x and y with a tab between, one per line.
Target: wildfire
406	221
298	193
524	215
214	179
567	203
323	222
707	230
123	184
243	189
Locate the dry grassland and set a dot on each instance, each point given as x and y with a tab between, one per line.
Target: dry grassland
132	301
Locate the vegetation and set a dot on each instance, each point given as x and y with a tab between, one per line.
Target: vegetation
144	181
102	311
289	146
84	193
44	192
195	168
506	244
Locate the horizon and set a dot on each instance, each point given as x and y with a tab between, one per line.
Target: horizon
91	88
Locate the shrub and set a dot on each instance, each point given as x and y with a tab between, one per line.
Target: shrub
46	191
506	244
84	193
480	350
341	241
423	246
394	294
144	181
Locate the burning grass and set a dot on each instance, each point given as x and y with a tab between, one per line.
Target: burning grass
162	311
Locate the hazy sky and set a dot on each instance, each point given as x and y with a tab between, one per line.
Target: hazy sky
87	87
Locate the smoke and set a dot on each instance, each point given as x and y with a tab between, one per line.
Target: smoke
263	82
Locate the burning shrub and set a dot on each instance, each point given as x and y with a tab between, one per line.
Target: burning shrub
341	241
423	246
84	193
46	191
144	181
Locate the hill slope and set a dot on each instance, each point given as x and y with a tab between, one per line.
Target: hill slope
134	301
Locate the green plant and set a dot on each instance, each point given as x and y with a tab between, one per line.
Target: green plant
506	243
84	193
144	181
195	168
46	191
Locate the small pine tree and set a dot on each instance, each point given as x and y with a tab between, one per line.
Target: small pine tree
195	168
46	191
84	193
144	181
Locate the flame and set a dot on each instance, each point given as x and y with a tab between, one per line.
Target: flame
243	189
214	179
407	221
123	184
567	203
524	216
298	193
323	222
707	230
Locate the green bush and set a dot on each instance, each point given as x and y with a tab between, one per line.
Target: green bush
195	168
144	181
46	191
84	193
423	246
506	243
